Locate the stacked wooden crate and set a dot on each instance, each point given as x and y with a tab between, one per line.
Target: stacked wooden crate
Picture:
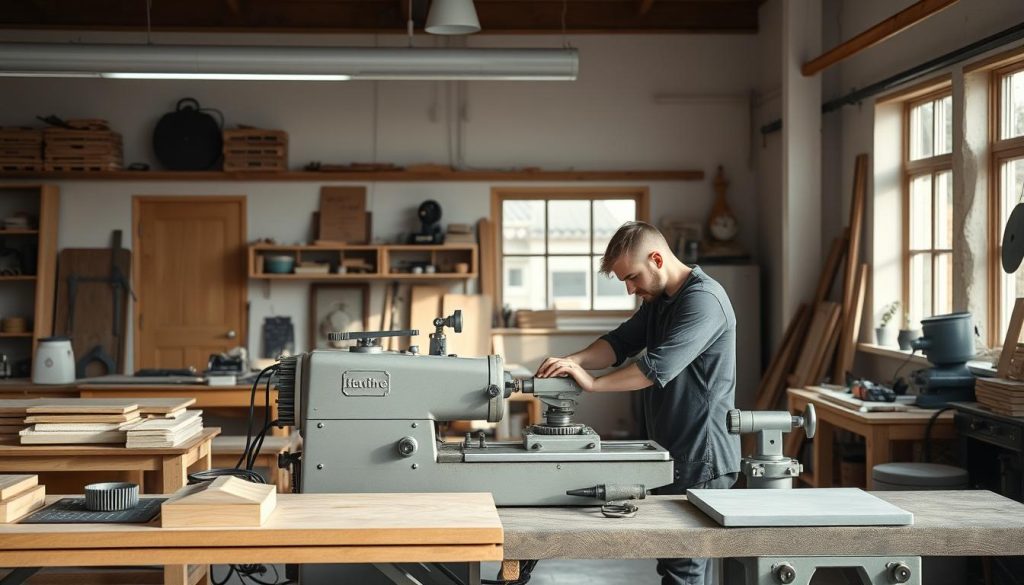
254	149
85	145
21	149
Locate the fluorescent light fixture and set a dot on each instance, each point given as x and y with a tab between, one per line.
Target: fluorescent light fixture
285	63
452	17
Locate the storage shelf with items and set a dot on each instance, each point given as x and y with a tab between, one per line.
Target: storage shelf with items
362	262
28	258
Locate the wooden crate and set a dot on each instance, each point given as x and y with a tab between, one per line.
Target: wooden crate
89	146
254	136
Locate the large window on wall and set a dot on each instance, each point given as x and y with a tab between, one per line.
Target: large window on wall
551	241
1007	177
928	206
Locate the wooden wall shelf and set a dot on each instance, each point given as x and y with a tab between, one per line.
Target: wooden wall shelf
397	176
386	261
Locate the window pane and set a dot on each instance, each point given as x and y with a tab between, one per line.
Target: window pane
610	292
921	127
609	214
943	284
1011	182
944	125
921	212
1012	114
522	228
944	210
523	284
920	286
568	227
569	282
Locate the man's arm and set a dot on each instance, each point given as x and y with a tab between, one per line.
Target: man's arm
596	356
625	379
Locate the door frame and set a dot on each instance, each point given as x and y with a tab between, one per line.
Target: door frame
137	201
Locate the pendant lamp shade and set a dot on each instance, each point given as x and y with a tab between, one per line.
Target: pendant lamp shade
452	17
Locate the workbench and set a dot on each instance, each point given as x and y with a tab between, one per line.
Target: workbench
304	528
172	465
879	429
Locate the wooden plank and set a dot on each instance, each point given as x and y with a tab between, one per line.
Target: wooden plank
475	339
828	357
84	418
1012	338
424	307
851	328
162	405
902	20
860	182
12	485
85	406
828	272
17	506
395	176
815	343
786	357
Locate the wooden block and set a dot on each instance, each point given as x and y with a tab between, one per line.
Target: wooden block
226	501
12	485
475	339
30	436
162	405
509	570
14	508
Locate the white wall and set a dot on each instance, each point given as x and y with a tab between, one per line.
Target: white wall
606	120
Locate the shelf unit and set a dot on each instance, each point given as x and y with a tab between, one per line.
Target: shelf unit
29	295
386	261
397	176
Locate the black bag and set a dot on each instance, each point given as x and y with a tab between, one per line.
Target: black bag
188	139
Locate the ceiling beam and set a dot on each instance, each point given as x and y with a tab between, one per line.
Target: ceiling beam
902	20
386	16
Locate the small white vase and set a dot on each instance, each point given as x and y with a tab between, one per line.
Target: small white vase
885	336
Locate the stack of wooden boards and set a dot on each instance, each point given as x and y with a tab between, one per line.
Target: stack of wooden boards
136	423
821	339
254	149
85	145
1004	394
21	149
19	495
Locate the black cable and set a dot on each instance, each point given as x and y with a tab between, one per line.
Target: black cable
928	433
212	474
896	376
252	412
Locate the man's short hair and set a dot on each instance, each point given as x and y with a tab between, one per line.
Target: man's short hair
627	240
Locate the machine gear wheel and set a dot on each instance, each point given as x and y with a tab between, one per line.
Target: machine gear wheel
570	429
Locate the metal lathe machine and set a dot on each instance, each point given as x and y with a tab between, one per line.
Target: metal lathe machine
369	421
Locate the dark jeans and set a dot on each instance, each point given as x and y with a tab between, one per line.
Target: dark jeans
690	571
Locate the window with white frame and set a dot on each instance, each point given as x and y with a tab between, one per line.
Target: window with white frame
928	206
551	243
1008	178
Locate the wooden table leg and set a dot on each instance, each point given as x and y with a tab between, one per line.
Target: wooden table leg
877	450
823	444
175	574
173	473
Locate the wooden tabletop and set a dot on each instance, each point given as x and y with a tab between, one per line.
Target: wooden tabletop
946	523
913	415
15	450
303	528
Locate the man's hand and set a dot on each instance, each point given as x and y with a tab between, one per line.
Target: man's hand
545	370
562	367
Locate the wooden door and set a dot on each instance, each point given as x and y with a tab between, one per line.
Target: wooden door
189	277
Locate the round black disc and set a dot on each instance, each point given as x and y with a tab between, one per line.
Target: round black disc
1013	240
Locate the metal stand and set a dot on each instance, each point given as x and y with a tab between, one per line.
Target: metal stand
800	570
430	573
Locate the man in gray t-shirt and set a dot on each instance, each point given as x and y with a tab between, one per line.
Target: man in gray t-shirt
684	340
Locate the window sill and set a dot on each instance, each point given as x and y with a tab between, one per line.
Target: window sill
977	367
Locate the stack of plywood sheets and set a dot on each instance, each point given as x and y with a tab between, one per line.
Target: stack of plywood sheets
12	418
21	149
19	495
1001	395
158	433
75	421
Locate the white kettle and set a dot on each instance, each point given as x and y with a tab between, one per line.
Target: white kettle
54	362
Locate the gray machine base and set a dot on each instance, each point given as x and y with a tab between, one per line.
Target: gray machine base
800	570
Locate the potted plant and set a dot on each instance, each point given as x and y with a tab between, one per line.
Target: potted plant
909	333
883	333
